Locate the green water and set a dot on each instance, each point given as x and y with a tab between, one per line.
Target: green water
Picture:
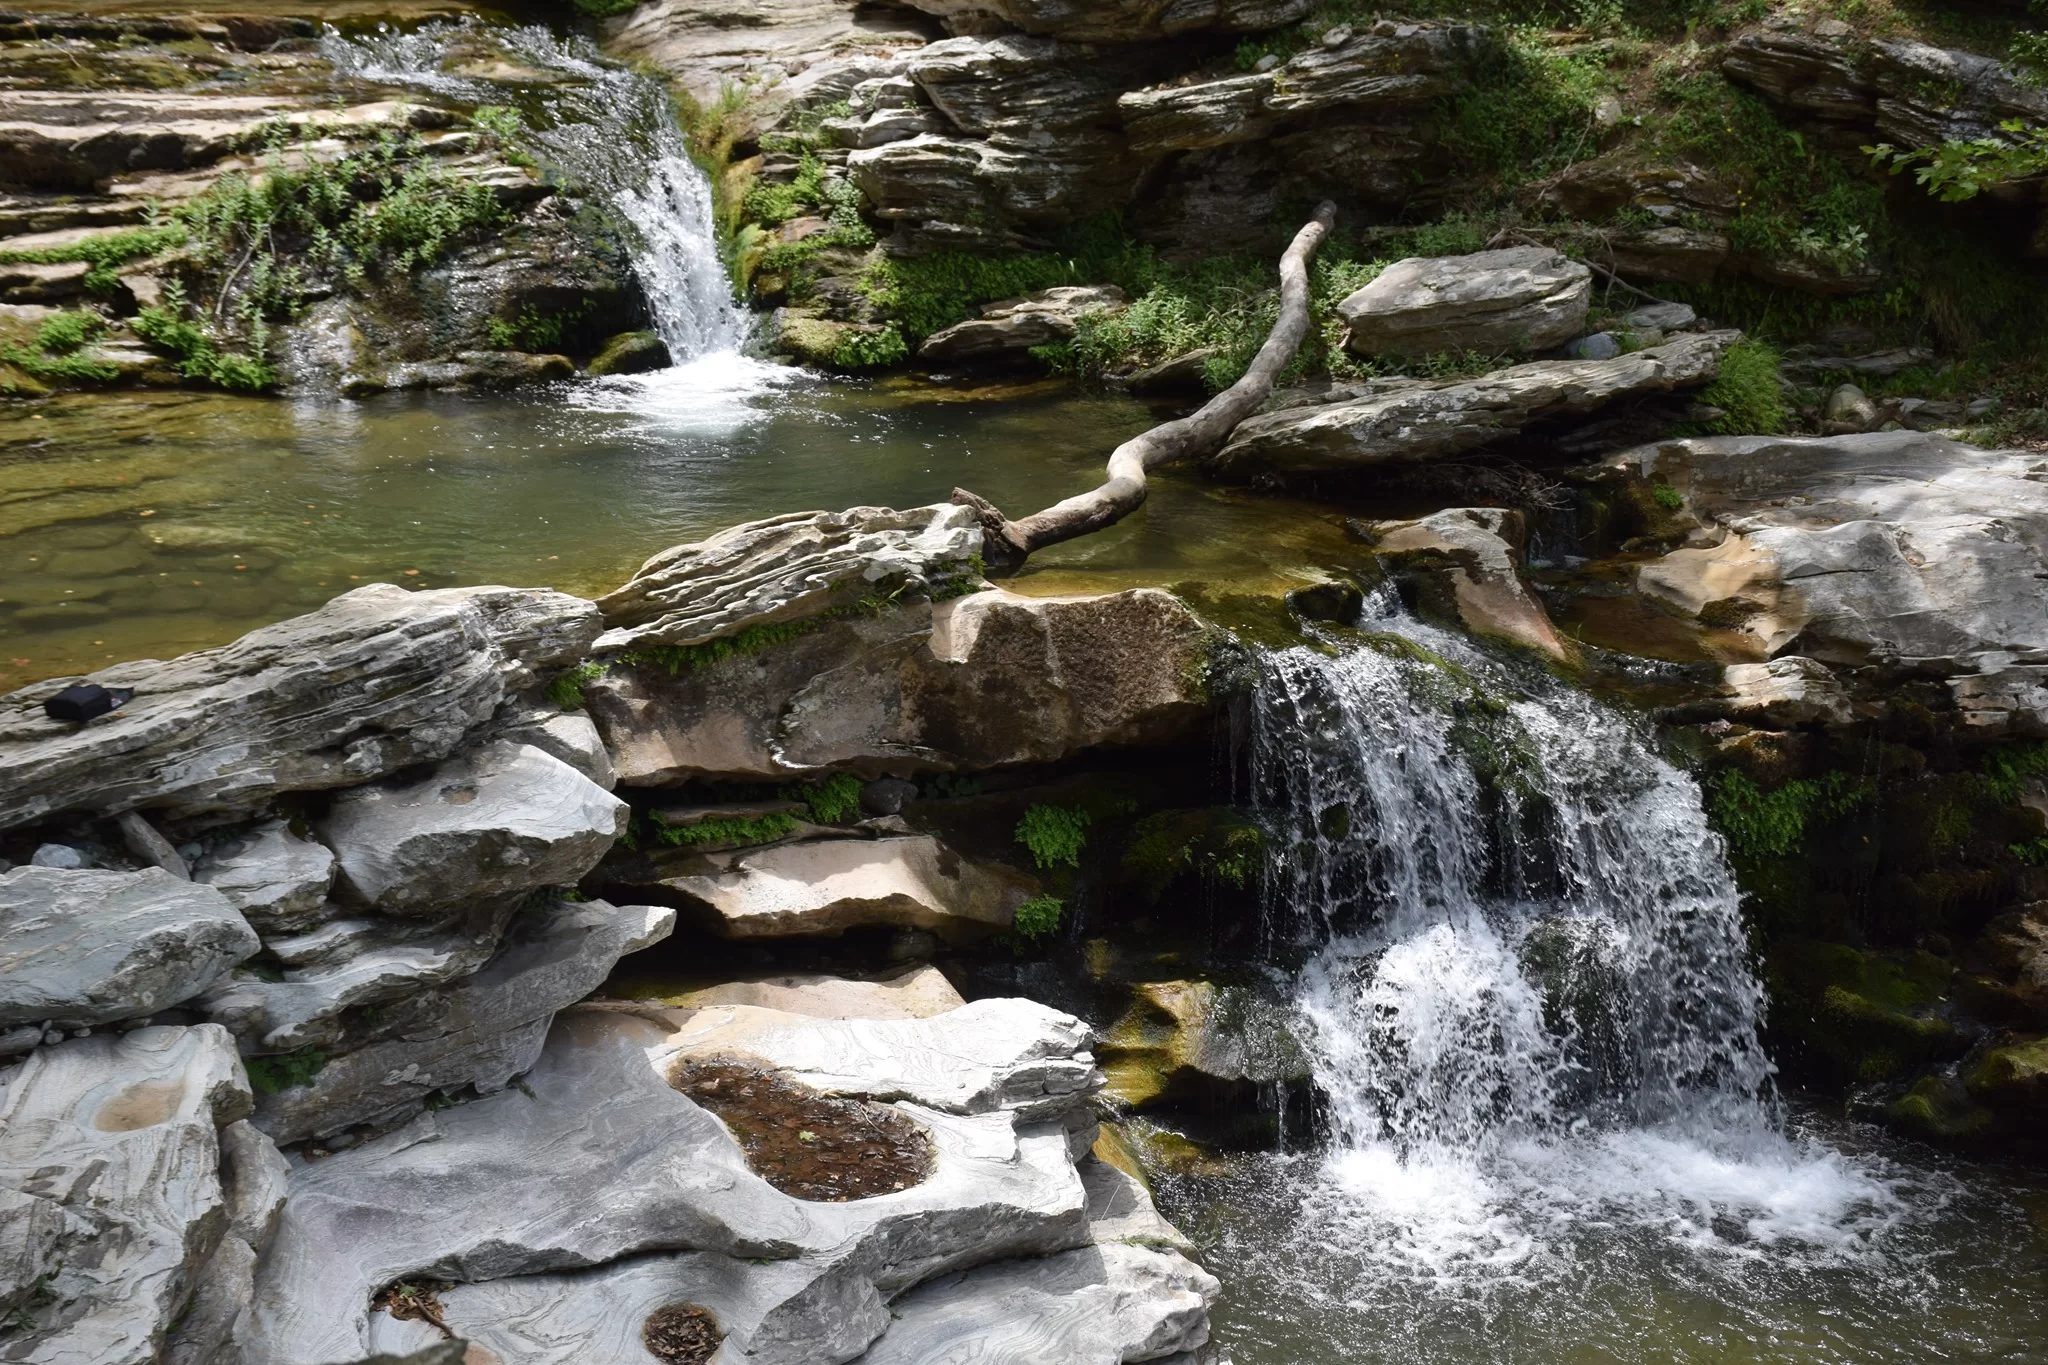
137	525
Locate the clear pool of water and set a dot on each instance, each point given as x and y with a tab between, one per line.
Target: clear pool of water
144	524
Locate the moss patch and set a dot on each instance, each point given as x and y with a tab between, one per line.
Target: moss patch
1850	1017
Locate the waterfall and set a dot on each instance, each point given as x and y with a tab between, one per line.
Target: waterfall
613	130
1526	992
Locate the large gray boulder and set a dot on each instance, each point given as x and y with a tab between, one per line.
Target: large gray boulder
377	680
278	880
1377	68
1006	332
503	819
788	569
1894	549
122	1135
84	946
1114	20
480	1030
599	1162
1515	300
827	886
1406	420
981	681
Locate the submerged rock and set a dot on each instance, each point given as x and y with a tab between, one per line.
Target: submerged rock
1469	560
1518	299
86	947
1395	420
377	680
827	886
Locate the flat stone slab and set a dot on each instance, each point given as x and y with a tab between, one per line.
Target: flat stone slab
828	886
377	680
597	1160
505	818
82	946
1519	299
1395	421
918	993
122	1133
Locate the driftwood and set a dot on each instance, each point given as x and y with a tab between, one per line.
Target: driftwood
1006	544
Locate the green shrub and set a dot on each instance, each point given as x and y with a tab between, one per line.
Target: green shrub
690	658
1963	168
54	352
103	253
2006	768
871	350
1760	824
1529	112
1037	917
1054	834
774	204
499	121
1747	391
167	327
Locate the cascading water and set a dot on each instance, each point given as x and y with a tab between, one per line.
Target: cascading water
1525	993
615	132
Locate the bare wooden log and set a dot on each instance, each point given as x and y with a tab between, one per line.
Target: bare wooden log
1006	544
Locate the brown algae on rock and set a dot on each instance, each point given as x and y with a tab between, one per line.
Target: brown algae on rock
809	1145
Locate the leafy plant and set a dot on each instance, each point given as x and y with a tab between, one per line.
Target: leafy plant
566	691
835	799
1747	391
54	352
727	830
1963	168
103	253
678	659
1038	917
1054	834
2005	769
871	350
1760	824
166	325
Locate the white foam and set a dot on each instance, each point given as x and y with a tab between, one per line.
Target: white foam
714	394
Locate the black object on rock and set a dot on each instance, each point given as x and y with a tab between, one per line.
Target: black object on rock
84	701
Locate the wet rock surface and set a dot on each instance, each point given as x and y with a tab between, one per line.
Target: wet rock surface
803	1143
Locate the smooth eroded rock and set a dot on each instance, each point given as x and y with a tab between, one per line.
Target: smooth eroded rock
1006	332
504	819
1468	561
84	946
375	681
827	886
278	880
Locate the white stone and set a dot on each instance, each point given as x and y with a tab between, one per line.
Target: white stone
599	1159
276	879
504	819
86	947
573	738
828	886
123	1132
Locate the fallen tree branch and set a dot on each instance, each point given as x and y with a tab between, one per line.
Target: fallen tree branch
1006	544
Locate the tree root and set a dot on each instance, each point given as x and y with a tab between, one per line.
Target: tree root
1007	544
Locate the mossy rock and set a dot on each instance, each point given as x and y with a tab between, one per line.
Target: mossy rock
1847	1017
1214	843
2012	1080
1939	1109
1195	1041
630	353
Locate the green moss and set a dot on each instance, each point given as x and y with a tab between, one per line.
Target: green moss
1038	917
53	354
677	659
2007	768
1529	113
566	691
602	9
104	253
271	1075
1217	845
774	204
726	830
1858	1017
1747	391
835	799
1054	834
2032	852
1667	497
1774	824
533	330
